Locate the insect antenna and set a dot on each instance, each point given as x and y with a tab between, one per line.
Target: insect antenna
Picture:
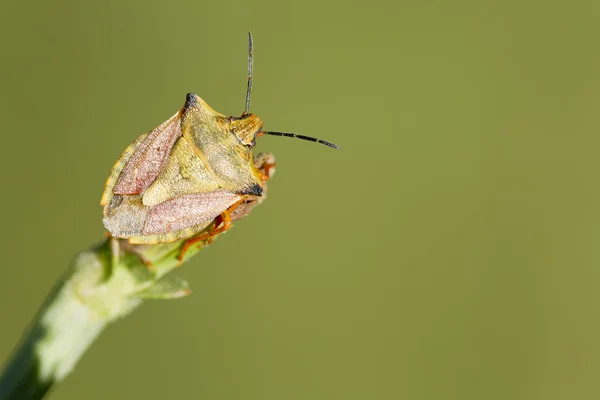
293	135
249	90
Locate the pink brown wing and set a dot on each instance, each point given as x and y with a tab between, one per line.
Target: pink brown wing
149	157
196	211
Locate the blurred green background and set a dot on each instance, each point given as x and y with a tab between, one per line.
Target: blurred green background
449	251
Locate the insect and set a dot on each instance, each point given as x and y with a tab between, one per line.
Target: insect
194	169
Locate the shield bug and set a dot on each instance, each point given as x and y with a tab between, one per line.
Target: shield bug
194	169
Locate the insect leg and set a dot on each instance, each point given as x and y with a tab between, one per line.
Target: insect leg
221	224
265	171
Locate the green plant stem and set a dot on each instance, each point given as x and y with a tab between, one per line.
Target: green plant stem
102	285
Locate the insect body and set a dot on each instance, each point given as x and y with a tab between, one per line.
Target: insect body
195	168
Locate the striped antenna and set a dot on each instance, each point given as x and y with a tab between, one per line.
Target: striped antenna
250	58
293	135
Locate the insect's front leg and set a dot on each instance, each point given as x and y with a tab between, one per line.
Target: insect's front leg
220	225
265	164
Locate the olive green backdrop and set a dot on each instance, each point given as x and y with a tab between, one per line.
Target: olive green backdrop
449	251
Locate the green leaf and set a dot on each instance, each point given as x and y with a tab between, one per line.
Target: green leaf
170	287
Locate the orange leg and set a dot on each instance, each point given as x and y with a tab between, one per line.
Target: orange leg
221	224
266	171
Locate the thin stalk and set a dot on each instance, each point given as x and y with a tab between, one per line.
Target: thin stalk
102	285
